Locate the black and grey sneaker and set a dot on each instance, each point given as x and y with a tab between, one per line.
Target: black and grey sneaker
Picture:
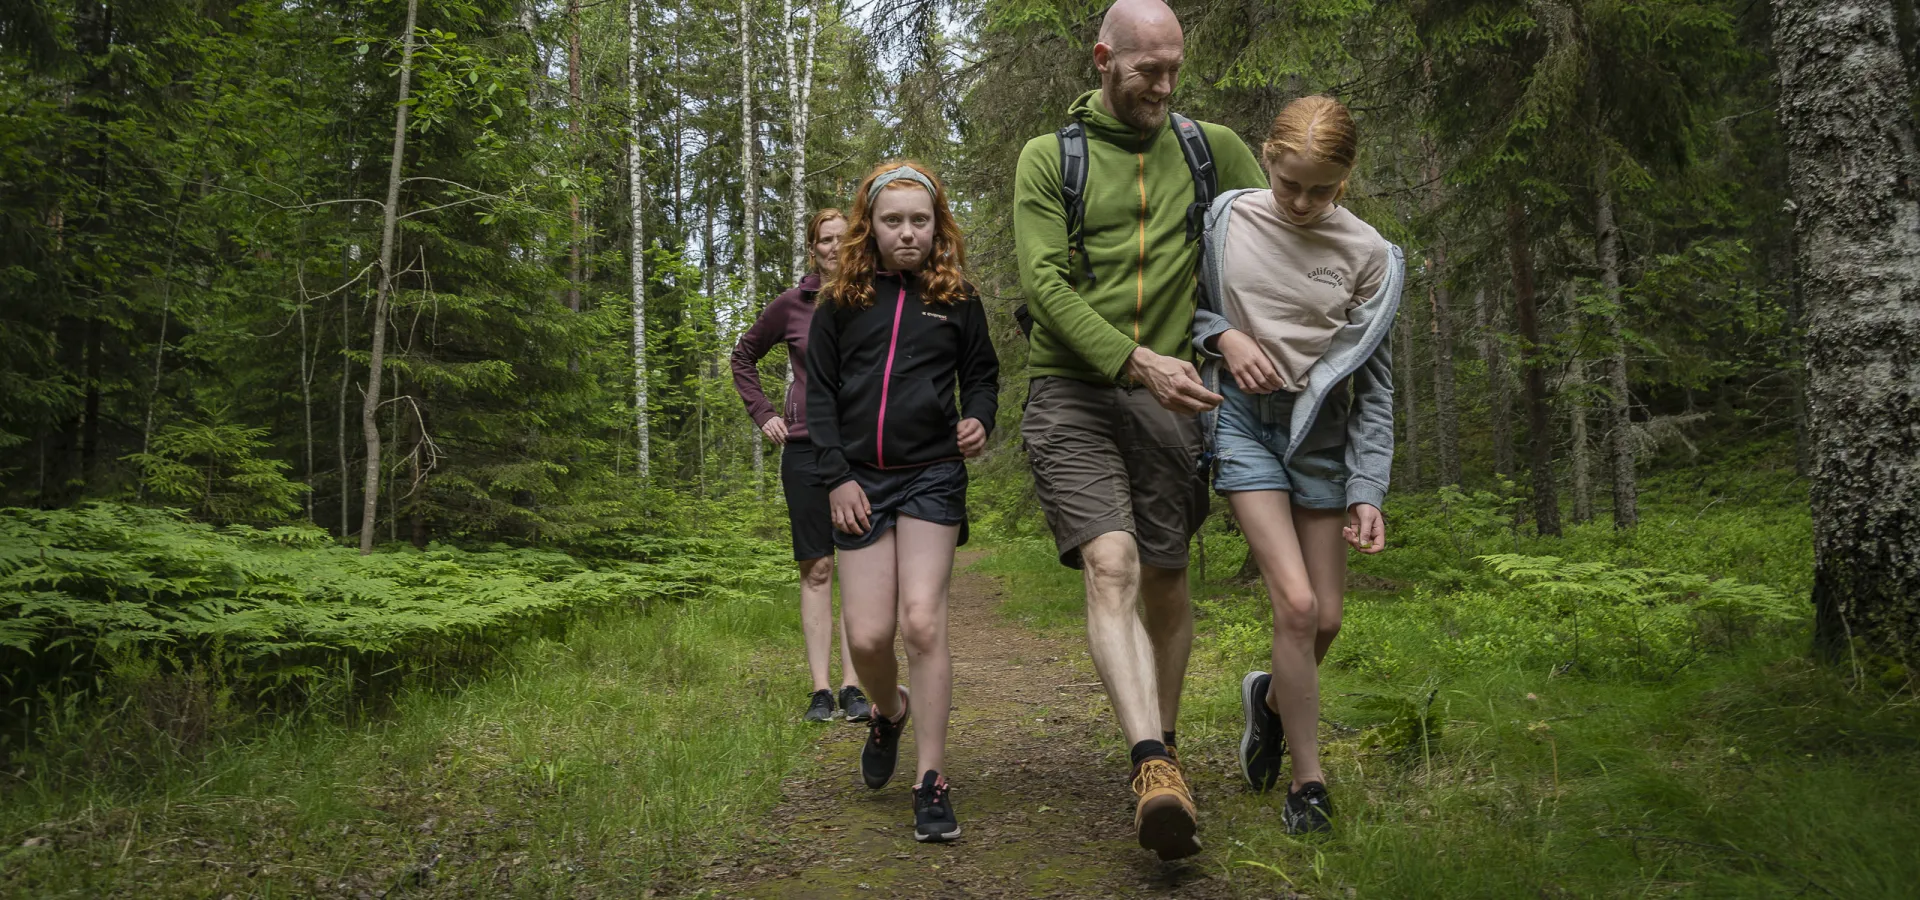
820	709
855	703
1263	743
883	745
933	810
1309	810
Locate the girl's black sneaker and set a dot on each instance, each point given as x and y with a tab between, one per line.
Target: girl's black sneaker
883	745
855	703
1309	810
820	708
933	810
1263	744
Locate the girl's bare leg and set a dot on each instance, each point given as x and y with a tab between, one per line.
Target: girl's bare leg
816	617
924	560
1325	552
848	677
868	588
1268	519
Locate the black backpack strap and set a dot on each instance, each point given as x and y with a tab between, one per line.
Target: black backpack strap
1073	191
1206	182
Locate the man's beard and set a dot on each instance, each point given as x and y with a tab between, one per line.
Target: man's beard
1140	115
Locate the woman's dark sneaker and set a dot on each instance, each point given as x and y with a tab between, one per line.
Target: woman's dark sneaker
1263	743
820	709
883	745
1309	810
933	810
855	703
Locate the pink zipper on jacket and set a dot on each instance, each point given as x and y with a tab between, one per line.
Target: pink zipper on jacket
886	377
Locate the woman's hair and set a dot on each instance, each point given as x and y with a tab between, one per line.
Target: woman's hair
1317	128
819	220
940	277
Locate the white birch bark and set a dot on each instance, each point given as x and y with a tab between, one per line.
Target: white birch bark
636	184
370	409
750	218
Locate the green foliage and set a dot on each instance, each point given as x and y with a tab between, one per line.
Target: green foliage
215	469
84	590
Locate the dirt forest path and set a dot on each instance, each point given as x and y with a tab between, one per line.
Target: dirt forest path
1044	813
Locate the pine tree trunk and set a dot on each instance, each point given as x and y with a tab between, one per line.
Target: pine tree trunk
1626	489
370	409
1486	319
750	217
636	249
1546	499
1851	145
1582	454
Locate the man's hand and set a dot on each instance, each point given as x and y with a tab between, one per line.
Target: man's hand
1252	371
850	508
1366	529
1173	382
972	437
776	431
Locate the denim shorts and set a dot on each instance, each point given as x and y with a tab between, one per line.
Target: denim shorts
1251	438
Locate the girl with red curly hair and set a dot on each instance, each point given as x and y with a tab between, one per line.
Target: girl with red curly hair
897	331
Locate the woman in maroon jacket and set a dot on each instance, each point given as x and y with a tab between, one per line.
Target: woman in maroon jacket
897	332
785	321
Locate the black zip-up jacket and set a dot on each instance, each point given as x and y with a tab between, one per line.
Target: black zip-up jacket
880	380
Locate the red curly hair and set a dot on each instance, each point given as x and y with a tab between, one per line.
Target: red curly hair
941	280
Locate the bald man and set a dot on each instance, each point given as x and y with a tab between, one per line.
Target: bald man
1110	428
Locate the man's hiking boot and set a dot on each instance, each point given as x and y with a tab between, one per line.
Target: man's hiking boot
1263	743
1165	818
883	745
1309	810
855	703
933	810
820	709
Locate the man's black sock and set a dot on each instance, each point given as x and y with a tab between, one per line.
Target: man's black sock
1146	750
1166	737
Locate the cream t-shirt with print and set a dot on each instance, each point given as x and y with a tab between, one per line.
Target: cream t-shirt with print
1291	286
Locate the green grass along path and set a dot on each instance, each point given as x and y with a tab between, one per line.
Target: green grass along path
660	755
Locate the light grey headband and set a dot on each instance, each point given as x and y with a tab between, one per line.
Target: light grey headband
895	174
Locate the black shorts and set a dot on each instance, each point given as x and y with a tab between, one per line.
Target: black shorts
807	512
935	493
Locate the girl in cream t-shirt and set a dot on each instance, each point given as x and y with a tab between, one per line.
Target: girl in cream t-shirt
1299	280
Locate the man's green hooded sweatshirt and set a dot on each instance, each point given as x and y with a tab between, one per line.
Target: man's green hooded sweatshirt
1138	191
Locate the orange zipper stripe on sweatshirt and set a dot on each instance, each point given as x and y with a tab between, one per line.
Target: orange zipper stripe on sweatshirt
1140	267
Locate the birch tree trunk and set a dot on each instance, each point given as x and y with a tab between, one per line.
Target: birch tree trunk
370	409
1851	145
802	126
1486	319
573	139
1546	499
750	215
1626	489
636	249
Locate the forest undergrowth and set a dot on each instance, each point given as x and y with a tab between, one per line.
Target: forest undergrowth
1597	715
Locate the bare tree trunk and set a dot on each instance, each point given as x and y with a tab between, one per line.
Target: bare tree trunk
1576	393
573	139
1546	500
636	250
1446	410
1486	318
370	409
1409	421
750	217
1851	145
340	434
309	360
1626	489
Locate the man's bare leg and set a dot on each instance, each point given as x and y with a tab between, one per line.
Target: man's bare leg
1169	623
1122	652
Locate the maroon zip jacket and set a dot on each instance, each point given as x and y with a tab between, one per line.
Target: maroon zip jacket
881	381
784	320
